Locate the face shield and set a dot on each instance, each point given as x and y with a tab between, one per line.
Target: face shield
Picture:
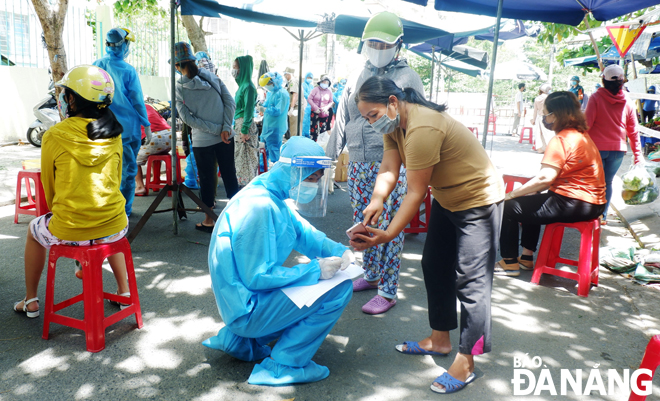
379	53
310	180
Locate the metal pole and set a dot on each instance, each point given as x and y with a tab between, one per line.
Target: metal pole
593	42
300	77
491	79
432	72
175	170
437	86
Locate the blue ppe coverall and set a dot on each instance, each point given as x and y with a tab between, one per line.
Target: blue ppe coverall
275	122
253	236
128	106
336	97
307	117
191	172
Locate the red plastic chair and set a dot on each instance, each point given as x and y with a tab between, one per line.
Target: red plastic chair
36	205
530	135
94	323
474	130
154	182
510	181
492	119
587	264
651	361
416	224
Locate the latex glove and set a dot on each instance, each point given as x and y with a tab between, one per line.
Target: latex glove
329	266
147	135
346	259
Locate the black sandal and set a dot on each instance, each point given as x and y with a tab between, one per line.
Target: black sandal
202	227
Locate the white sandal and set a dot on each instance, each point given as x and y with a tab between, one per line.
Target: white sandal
26	302
121	306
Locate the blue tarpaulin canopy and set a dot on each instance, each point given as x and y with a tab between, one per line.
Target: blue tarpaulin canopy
454	65
211	8
350	25
569	12
609	57
475	57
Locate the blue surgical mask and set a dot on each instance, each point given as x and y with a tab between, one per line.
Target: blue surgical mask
269	87
63	106
324	86
385	125
309	80
574	83
305	192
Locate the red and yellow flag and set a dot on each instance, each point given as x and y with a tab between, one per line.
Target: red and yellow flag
623	37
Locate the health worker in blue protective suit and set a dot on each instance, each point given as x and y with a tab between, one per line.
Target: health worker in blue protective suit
275	119
307	85
339	90
252	238
127	105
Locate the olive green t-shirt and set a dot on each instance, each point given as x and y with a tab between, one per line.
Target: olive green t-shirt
463	175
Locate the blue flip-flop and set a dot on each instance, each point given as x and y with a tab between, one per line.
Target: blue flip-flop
451	384
413	348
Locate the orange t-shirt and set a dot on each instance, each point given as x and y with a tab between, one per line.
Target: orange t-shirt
581	174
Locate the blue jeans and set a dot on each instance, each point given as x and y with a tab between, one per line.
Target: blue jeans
611	162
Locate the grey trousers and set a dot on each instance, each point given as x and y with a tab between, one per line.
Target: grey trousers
458	261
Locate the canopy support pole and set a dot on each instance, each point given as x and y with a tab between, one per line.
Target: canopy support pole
439	77
178	209
432	72
491	79
301	38
593	42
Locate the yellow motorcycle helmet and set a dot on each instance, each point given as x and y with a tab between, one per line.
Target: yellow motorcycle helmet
264	80
89	82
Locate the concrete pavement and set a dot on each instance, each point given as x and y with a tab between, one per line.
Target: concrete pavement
166	361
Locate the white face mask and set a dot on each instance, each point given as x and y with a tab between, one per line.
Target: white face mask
234	72
324	86
379	58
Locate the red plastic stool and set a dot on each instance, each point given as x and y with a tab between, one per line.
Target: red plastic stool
587	265
94	323
416	224
154	164
492	119
36	205
474	130
530	136
264	158
651	361
510	181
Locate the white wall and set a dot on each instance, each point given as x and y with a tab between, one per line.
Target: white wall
22	88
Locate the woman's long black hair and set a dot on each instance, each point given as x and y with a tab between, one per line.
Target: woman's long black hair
378	89
105	125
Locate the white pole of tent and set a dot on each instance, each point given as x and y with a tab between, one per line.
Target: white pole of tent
432	72
593	42
437	86
175	170
491	79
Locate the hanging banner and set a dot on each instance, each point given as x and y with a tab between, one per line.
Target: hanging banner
623	37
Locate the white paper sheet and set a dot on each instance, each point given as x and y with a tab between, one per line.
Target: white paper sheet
308	294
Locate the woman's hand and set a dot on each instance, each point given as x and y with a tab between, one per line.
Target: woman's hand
244	138
372	212
374	238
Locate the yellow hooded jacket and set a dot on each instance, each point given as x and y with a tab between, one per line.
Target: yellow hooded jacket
81	181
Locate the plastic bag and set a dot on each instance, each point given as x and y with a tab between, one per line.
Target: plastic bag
323	139
653	168
643	196
618	260
637	178
646	273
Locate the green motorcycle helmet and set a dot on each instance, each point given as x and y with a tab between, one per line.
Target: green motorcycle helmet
385	27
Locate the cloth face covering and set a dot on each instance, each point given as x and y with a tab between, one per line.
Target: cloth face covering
234	73
385	124
547	125
63	106
305	192
379	58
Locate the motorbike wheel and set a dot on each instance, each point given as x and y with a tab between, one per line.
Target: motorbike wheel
35	134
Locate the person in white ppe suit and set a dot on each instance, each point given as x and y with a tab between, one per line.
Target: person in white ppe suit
251	240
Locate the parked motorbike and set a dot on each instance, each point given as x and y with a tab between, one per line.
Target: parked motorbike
47	115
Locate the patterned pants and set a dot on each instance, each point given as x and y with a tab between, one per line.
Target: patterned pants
246	156
381	262
319	125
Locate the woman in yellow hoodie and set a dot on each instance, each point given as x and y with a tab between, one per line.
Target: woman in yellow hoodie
81	159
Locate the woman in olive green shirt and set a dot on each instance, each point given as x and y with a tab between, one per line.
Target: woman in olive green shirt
464	225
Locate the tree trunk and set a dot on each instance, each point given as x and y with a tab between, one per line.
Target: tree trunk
51	16
195	33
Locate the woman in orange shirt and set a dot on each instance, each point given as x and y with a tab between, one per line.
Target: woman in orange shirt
571	170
